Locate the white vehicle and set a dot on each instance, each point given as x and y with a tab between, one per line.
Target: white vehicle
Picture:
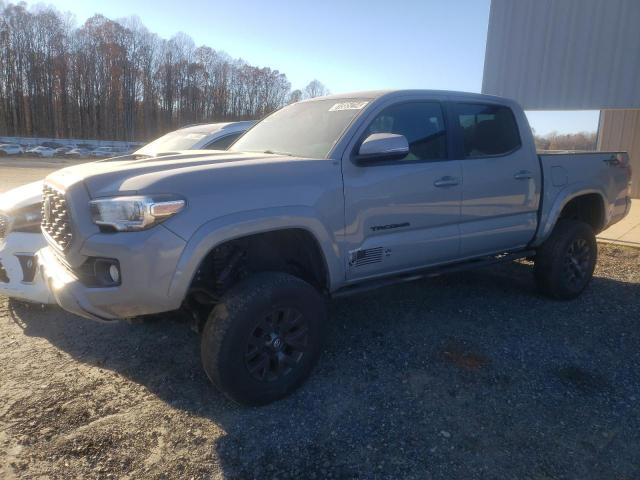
20	238
105	152
77	153
10	149
209	136
62	151
42	151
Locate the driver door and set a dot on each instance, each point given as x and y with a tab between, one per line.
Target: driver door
403	214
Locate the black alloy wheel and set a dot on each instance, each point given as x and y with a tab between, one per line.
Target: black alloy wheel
577	262
277	345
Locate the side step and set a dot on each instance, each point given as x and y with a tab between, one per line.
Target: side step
367	285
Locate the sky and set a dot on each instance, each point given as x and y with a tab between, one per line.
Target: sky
347	45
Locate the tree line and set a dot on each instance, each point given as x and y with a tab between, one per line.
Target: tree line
567	141
117	80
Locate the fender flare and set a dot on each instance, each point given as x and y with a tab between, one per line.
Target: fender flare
549	217
230	227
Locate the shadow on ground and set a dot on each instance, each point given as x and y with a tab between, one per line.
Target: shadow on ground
470	375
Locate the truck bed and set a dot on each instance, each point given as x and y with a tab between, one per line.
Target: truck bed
570	173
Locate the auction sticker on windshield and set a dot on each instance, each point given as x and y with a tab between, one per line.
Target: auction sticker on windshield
348	106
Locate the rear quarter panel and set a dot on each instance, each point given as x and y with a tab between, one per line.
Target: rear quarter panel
569	175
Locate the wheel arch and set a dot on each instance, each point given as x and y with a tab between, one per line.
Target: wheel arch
586	207
223	231
291	250
586	204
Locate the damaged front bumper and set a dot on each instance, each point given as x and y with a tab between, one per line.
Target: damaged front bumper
146	260
18	268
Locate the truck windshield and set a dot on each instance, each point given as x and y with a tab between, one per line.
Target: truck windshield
305	129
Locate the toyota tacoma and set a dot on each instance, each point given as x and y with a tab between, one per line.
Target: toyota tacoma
323	198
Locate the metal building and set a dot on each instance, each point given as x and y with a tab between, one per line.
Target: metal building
620	130
571	55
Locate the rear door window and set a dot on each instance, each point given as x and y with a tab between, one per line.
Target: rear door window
486	130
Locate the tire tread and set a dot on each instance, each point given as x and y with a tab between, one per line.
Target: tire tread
236	301
550	253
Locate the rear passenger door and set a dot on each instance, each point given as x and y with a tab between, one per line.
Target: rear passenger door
501	180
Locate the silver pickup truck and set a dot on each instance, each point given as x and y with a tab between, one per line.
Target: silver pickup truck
323	198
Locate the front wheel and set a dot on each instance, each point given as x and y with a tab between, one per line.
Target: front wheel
262	341
565	262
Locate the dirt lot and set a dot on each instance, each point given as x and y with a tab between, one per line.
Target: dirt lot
16	171
468	376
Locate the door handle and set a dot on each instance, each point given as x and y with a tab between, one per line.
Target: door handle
523	175
447	182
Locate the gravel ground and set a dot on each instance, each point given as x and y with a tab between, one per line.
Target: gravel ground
471	376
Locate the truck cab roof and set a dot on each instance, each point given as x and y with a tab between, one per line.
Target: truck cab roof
390	94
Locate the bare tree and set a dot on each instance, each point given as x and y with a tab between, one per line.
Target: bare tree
295	96
569	141
315	89
116	80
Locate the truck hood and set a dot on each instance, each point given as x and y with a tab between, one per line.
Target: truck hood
20	197
130	175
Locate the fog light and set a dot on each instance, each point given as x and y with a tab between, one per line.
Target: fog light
99	272
114	273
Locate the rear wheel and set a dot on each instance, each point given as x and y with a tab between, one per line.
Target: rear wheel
565	262
262	341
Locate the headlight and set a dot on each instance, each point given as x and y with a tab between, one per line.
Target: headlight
128	214
26	219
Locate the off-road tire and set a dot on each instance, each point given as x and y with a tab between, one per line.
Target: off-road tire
229	336
555	272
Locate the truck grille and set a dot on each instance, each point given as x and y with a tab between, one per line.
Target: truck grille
55	217
4	225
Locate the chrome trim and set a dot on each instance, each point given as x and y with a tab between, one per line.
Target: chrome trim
56	221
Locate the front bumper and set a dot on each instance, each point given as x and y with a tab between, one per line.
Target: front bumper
147	261
18	269
65	287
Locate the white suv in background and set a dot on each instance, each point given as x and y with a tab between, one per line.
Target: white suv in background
20	209
20	238
10	149
41	151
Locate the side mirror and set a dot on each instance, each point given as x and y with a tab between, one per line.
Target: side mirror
383	146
